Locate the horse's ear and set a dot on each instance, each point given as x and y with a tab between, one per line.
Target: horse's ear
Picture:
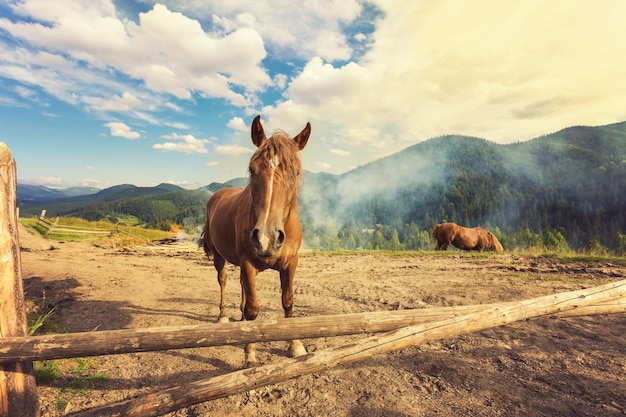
257	133
302	138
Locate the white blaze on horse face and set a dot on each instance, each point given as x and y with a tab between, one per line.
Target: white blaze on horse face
264	239
273	165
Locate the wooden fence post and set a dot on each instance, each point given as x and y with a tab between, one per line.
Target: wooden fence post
18	393
42	216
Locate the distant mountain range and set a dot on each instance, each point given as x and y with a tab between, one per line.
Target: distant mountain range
572	181
29	195
38	193
34	196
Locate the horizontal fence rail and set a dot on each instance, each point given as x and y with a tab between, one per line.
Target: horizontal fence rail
54	227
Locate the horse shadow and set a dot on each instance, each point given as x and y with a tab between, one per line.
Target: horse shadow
71	314
65	312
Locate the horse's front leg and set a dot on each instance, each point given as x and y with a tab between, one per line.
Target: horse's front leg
296	348
249	307
220	263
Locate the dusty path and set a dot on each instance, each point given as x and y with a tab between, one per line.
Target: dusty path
547	367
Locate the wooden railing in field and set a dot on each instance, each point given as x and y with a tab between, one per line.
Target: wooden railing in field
54	227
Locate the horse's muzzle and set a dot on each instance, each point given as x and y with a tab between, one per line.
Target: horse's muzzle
267	245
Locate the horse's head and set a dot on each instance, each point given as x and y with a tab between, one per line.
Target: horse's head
496	244
275	171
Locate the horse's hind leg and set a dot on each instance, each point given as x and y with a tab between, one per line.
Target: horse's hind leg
296	348
220	263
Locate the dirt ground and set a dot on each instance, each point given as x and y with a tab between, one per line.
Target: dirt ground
545	367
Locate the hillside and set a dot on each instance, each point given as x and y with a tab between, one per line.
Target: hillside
567	185
570	182
154	206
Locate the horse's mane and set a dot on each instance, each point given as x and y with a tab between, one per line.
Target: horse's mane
282	146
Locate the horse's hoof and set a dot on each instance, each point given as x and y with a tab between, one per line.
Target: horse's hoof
251	363
296	348
223	320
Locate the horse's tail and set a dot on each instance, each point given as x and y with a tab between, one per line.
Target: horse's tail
205	236
435	230
438	243
205	241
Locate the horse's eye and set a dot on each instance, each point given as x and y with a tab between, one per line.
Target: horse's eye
251	171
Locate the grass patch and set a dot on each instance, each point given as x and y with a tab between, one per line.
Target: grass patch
125	233
85	375
591	259
73	377
400	253
46	371
563	256
38	320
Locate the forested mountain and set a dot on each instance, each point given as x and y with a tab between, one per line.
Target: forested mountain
155	206
566	186
570	182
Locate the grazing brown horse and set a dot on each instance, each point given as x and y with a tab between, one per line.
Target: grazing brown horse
464	238
257	227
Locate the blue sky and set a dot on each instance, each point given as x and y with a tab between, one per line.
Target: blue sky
99	93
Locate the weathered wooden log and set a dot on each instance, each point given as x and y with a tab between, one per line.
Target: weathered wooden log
18	393
70	345
220	386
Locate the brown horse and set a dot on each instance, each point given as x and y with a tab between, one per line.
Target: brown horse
257	227
464	238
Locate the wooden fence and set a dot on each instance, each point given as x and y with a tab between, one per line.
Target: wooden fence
18	393
55	227
18	396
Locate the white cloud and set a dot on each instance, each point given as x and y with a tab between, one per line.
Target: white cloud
176	56
280	81
167	51
324	85
11	102
303	29
27	93
177	125
124	103
237	123
122	130
89	182
212	164
232	150
54	74
182	143
50	180
183	184
339	152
